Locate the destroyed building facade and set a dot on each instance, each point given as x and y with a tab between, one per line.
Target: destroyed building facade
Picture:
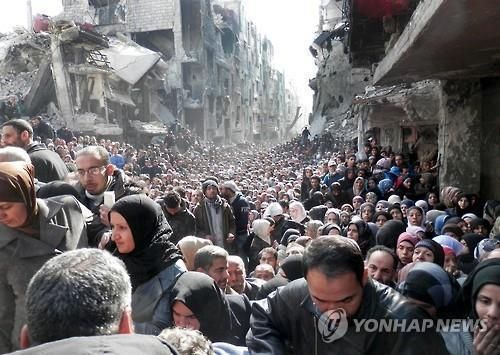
129	68
430	84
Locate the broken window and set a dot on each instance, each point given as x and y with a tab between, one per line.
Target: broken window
109	12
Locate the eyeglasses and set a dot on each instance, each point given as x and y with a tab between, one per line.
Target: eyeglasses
94	171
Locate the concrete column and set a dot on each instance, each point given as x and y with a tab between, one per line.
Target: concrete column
61	81
460	135
490	157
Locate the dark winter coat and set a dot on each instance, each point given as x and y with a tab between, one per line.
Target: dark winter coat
183	224
241	208
48	164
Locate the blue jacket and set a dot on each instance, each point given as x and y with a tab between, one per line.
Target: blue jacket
151	311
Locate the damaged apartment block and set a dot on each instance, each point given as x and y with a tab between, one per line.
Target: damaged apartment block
130	68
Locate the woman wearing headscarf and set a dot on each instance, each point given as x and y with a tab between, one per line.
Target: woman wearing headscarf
261	238
198	303
141	234
436	292
358	188
367	210
415	216
405	248
31	232
429	250
188	246
466	261
389	233
380	217
297	212
359	231
481	292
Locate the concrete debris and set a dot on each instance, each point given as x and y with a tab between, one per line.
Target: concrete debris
202	64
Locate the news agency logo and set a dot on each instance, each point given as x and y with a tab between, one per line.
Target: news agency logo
332	325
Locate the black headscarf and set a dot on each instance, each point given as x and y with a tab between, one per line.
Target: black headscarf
153	251
389	233
293	268
318	212
205	299
472	240
486	272
435	247
365	236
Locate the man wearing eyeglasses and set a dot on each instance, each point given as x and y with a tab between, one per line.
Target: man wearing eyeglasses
96	175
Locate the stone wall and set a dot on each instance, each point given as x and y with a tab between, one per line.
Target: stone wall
490	144
77	10
335	86
460	135
150	15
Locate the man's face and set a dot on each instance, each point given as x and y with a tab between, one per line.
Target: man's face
380	267
211	192
314	183
342	291
10	137
35	122
236	276
224	192
268	258
94	180
218	272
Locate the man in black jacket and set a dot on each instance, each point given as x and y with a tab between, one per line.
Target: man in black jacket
240	208
48	164
324	313
178	216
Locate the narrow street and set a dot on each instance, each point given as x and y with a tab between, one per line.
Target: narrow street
250	177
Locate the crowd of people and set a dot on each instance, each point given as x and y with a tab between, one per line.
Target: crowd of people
231	250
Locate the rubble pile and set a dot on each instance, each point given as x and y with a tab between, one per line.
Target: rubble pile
21	54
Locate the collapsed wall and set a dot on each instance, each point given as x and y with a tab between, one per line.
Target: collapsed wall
335	86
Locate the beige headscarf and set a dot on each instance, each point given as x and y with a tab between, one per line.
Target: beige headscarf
189	246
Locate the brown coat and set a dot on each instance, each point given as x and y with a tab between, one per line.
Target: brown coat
203	227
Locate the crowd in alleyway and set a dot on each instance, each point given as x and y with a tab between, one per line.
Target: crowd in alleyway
202	236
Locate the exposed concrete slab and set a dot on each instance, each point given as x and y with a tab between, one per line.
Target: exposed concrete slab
445	39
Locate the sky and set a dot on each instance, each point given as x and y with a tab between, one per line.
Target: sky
291	27
289	24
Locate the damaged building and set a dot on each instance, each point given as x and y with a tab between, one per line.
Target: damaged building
130	68
432	86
